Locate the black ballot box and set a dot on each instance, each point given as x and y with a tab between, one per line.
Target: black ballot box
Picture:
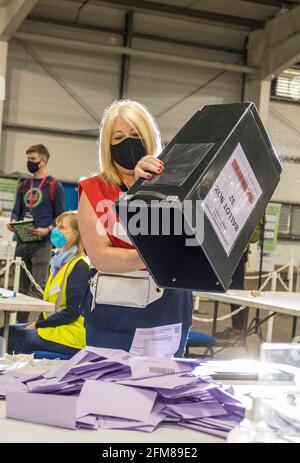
192	223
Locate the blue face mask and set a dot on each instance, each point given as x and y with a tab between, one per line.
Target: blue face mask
58	239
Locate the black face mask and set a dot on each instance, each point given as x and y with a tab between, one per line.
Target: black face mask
128	153
33	167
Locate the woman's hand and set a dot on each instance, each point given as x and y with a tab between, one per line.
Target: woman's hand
147	166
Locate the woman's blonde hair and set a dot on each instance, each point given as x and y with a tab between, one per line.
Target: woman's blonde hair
73	222
138	116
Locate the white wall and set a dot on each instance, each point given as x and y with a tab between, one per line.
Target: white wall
36	99
284	130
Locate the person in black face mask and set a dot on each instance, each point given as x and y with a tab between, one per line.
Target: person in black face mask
128	153
129	143
127	149
42	199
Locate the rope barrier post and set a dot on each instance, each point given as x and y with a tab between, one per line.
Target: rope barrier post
271	320
291	275
196	303
6	275
5	332
262	242
18	262
291	288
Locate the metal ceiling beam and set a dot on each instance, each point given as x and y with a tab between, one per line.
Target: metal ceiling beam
183	13
50	131
135	34
110	49
274	3
13	15
276	47
125	65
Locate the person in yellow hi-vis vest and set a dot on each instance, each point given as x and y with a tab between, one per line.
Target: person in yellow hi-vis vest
63	332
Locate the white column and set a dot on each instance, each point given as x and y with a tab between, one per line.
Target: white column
258	91
3	64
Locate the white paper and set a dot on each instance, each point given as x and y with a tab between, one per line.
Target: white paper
147	367
232	198
161	341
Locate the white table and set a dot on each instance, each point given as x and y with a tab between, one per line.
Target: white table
271	301
12	431
20	303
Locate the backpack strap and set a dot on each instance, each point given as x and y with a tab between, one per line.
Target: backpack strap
23	187
52	186
53	183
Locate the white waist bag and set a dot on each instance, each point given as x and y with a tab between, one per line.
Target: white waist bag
134	289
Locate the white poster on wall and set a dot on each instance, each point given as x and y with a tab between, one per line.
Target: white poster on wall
232	198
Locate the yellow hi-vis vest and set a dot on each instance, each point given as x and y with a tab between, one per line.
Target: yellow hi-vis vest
73	334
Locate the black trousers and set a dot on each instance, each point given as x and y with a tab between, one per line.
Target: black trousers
240	320
36	257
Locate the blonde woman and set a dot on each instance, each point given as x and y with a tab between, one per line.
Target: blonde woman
129	143
63	332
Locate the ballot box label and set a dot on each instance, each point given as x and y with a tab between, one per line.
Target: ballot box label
232	198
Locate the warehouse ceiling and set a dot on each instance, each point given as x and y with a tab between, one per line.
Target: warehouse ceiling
217	24
244	14
4	3
194	50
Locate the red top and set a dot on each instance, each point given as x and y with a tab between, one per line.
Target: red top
102	195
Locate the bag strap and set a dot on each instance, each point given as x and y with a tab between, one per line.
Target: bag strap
53	183
52	186
23	187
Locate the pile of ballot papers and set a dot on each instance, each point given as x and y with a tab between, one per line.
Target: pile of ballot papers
111	389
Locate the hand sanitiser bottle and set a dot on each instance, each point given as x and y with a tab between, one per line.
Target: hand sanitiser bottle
252	429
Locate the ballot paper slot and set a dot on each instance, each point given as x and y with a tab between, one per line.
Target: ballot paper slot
148	195
187	157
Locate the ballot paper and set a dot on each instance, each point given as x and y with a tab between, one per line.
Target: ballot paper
101	398
111	389
194	410
47	409
161	341
162	382
155	418
146	367
85	357
10	383
88	422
